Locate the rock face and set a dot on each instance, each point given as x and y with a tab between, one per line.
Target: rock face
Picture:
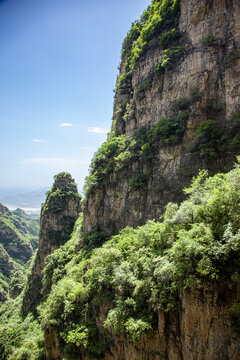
58	216
204	329
202	88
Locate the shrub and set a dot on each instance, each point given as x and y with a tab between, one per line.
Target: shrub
170	58
170	37
195	94
180	104
138	181
209	139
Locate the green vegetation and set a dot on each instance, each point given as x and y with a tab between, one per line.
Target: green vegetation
20	338
160	15
170	37
138	181
18	240
119	151
141	270
195	94
157	27
211	139
169	58
63	188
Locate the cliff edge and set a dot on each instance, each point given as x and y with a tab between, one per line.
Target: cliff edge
176	110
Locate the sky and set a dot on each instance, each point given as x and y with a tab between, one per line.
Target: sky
58	69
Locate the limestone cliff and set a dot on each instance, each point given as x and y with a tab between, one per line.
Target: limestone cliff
203	329
176	110
58	215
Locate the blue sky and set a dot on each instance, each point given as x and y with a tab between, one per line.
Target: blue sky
58	68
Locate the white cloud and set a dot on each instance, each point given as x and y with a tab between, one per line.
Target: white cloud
89	148
54	161
97	130
65	124
38	140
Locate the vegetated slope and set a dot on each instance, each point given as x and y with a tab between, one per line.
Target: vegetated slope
21	337
18	240
176	110
167	289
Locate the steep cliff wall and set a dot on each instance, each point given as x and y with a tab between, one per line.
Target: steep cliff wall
203	329
176	110
58	216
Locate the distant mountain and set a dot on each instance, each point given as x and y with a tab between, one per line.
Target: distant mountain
28	200
18	241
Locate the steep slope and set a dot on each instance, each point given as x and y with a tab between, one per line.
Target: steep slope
18	240
58	215
166	290
176	110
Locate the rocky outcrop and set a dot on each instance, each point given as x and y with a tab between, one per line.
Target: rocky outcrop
58	216
3	209
6	264
202	85
205	328
18	237
12	232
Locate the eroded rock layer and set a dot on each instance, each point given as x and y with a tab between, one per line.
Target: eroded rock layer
203	329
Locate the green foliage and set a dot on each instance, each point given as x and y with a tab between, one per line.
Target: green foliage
103	161
195	94
63	188
119	151
20	338
210	139
234	135
141	270
95	238
18	239
138	181
170	37
54	268
160	16
169	58
180	104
